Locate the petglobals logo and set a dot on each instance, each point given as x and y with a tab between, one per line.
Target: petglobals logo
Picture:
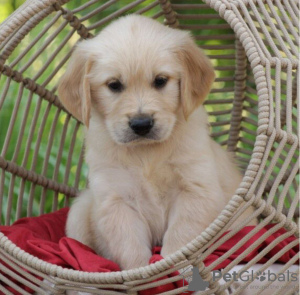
246	276
196	282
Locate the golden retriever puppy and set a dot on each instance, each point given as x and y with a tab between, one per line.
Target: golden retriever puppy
155	175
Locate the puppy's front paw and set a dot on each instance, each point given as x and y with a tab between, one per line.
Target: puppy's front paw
121	234
134	258
176	237
170	244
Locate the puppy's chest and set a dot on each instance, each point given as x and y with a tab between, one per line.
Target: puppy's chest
157	194
161	179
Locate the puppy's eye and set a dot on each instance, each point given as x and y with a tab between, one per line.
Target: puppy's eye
160	82
115	86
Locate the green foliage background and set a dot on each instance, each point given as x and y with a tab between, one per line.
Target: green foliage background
224	90
6	8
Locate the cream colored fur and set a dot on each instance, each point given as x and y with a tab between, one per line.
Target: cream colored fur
144	191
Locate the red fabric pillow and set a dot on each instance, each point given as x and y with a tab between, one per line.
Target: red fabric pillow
44	237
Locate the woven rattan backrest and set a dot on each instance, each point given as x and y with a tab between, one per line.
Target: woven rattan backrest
42	153
41	144
253	111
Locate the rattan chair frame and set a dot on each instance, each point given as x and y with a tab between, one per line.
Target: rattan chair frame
273	63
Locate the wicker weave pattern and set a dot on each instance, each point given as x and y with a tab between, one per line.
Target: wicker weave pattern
254	45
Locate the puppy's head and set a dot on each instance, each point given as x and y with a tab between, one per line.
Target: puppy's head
138	77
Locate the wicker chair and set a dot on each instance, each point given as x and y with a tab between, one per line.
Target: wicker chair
252	108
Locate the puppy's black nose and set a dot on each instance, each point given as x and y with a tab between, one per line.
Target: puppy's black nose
141	124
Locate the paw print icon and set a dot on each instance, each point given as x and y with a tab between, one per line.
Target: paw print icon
261	276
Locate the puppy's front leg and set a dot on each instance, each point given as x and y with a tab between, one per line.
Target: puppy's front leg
190	214
121	234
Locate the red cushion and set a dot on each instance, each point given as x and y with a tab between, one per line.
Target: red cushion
44	237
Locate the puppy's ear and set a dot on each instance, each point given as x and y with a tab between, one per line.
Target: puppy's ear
196	78
74	87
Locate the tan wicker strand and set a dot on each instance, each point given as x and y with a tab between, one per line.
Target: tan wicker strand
21	16
255	169
41	128
249	264
147	8
5	291
206	276
157	15
42	48
62	282
236	114
261	254
36	178
20	200
273	259
281	26
87	4
47	156
2	181
31	199
294	90
32	86
294	206
282	270
286	39
90	290
79	166
21	132
154	276
5	90
293	11
95	11
238	245
265	30
21	276
291	291
12	122
53	74
278	123
20	34
257	46
12	284
52	57
33	272
70	156
288	176
229	215
115	14
280	175
289	102
169	13
10	200
74	22
55	201
189	6
212	245
149	285
31	132
35	40
61	146
291	28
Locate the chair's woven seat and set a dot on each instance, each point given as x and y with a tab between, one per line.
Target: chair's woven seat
252	108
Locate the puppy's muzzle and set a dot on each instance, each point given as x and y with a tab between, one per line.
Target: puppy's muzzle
141	124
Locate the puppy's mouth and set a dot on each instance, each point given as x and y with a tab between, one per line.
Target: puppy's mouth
129	137
141	131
